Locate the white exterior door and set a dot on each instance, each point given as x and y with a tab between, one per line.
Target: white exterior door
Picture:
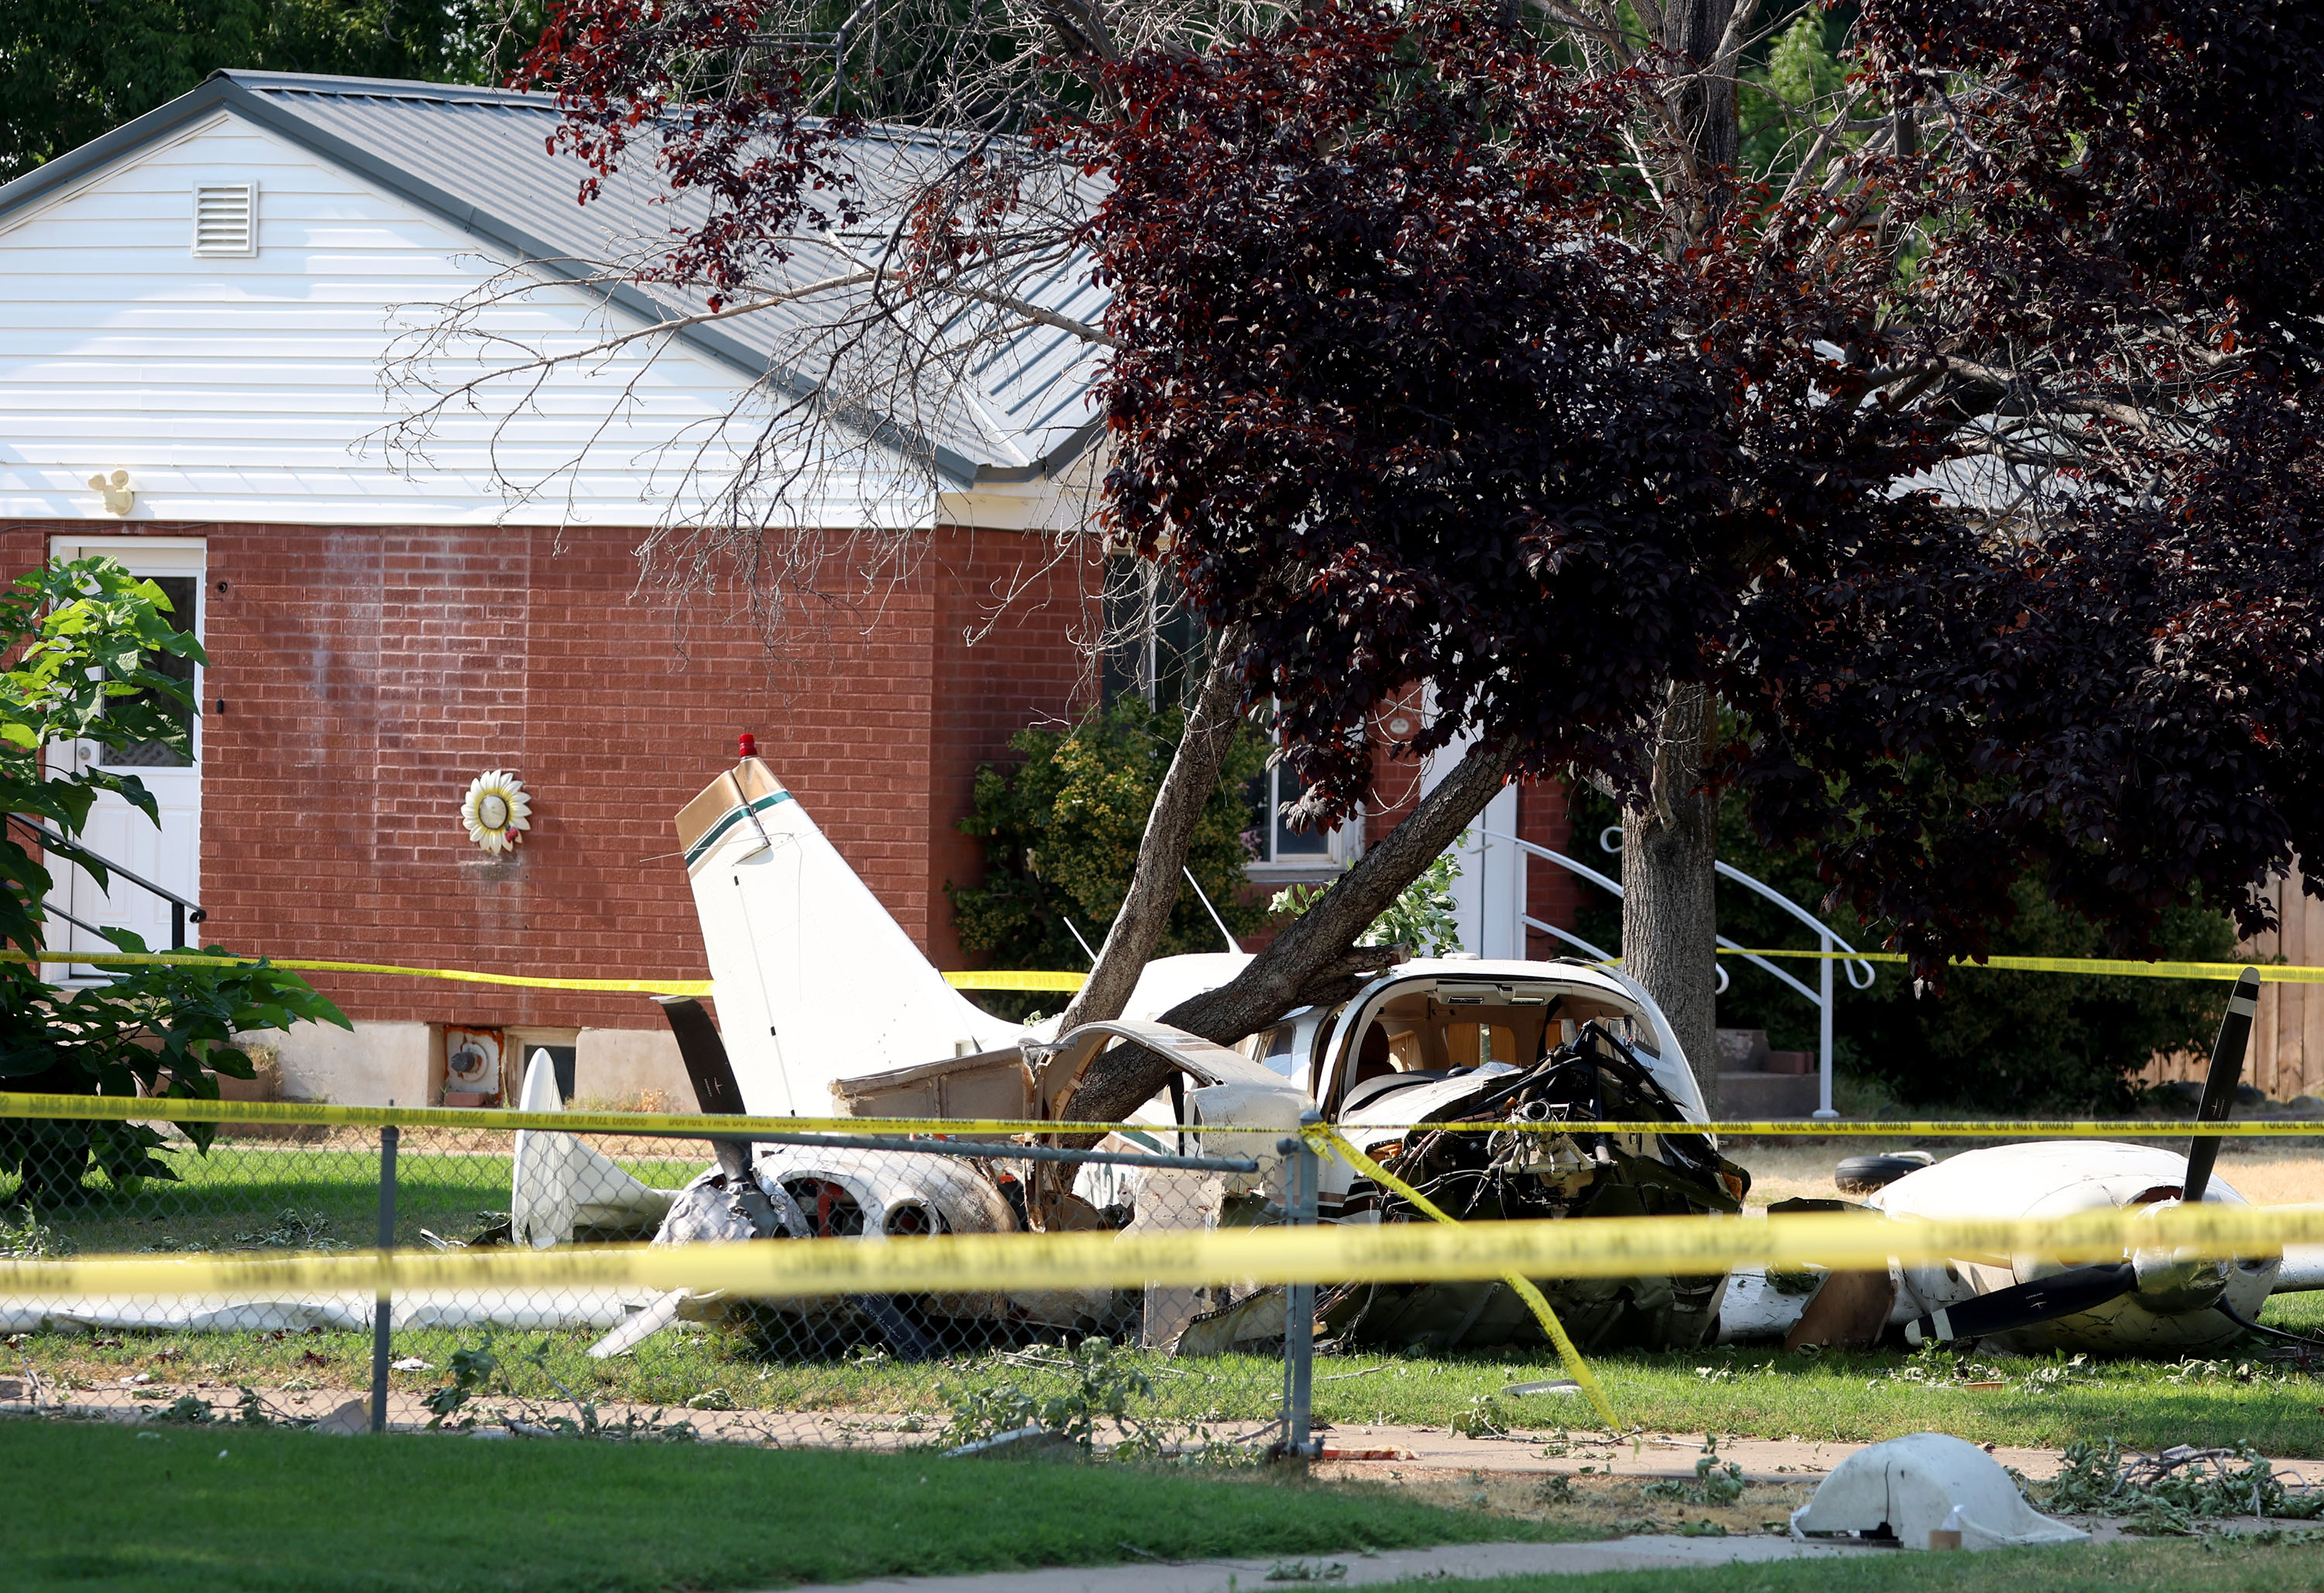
168	855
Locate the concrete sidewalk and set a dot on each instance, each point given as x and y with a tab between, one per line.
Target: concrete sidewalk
1454	1563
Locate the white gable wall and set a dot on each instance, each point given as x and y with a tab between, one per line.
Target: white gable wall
252	389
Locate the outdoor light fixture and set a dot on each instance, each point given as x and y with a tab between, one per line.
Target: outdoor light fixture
120	497
494	809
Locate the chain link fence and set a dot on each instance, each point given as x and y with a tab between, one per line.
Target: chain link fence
1161	1370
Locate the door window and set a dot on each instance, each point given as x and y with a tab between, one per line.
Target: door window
183	591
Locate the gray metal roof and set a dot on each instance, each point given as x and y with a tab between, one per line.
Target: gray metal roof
477	158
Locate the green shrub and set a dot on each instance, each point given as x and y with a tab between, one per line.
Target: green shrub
1061	830
1992	1041
1421	919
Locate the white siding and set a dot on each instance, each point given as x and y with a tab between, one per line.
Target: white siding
257	389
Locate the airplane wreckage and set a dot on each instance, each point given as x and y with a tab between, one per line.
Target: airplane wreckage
826	1008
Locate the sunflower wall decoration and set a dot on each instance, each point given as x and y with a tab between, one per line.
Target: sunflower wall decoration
494	809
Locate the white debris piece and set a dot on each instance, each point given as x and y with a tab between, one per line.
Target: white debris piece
561	1184
1911	1486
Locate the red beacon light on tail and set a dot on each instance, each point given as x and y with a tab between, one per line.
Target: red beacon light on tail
746	746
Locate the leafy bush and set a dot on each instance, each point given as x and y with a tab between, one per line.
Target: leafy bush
1061	830
1421	919
84	636
1994	1041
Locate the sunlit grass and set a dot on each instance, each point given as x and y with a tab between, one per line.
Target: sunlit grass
216	1508
2215	1564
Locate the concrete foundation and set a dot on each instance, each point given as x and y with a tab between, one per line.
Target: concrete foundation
400	1064
625	1065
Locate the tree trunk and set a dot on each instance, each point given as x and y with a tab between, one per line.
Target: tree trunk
1670	846
1186	787
1670	914
1316	960
1693	29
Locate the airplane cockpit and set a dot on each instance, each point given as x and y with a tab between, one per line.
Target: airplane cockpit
1451	1020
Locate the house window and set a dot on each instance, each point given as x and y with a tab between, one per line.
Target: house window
183	591
1281	852
1152	648
1152	643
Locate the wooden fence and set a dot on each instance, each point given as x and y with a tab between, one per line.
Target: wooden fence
2287	1049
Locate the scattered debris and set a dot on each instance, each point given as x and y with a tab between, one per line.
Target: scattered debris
189	1410
26	1237
347	1419
1017	1442
2168	1494
295	1229
1484	1418
1103	1390
1306	1571
1716	1481
1934	1367
1903	1490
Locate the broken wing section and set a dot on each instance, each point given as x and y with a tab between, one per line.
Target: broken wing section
813	981
562	1187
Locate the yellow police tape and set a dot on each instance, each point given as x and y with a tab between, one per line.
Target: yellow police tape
1036	979
982	979
465	975
2269	973
1326	1140
494	1119
116	1109
1014	980
1614	1247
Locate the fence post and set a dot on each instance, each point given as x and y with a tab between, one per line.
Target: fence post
379	1336
1301	1172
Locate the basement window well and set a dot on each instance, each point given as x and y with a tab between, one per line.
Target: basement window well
225	219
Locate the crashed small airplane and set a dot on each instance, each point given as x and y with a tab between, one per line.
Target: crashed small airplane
2144	1301
1449	1070
827	1008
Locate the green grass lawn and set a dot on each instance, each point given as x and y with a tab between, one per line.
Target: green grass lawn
102	1506
260	1193
2215	1565
254	1194
1760	1391
1753	1393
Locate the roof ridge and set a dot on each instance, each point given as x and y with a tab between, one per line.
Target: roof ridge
381	88
903	133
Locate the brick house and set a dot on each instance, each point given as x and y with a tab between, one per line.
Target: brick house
204	302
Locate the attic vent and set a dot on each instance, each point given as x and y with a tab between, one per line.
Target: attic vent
225	219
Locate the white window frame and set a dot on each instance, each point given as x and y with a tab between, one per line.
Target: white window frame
1342	845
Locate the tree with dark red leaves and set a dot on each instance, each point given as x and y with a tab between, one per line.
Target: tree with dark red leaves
1942	490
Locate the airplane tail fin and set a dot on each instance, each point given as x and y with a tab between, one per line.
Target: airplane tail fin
815	981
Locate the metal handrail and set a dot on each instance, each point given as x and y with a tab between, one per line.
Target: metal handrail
181	910
1609	840
1822	998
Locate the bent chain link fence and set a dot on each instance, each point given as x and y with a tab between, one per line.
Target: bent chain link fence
1164	1371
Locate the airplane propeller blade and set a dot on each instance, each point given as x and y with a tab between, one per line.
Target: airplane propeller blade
2219	1084
708	1068
2062	1294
